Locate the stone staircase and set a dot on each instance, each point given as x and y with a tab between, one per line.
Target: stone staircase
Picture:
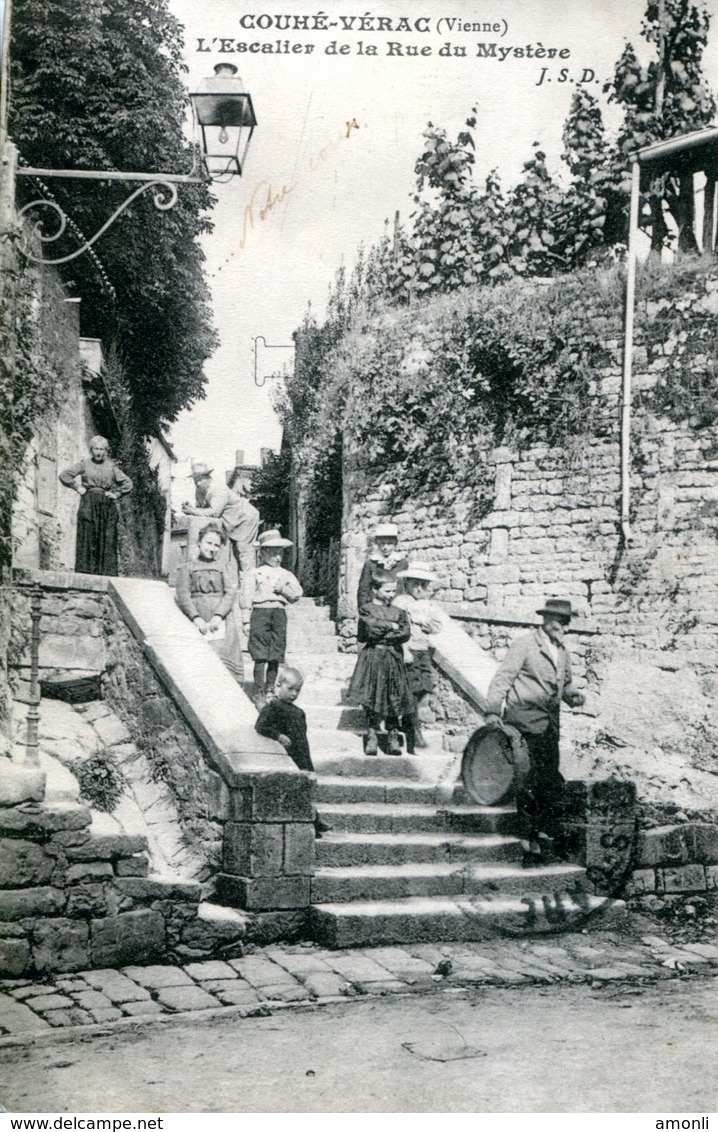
409	859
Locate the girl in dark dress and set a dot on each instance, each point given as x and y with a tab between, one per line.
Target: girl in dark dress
379	682
99	483
206	593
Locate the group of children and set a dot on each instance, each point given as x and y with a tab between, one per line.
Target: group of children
206	593
393	672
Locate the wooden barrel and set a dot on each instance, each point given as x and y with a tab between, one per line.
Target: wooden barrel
495	761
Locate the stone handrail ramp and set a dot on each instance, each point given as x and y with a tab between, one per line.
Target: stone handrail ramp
260	800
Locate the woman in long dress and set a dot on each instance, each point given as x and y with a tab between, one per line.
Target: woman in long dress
206	593
99	482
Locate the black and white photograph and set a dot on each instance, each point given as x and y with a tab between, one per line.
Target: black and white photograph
358	561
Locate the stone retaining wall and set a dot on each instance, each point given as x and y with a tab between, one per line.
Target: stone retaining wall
158	729
240	802
72	899
676	858
554	524
249	798
72	632
553	529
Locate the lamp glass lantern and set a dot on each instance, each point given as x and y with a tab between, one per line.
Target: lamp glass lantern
225	115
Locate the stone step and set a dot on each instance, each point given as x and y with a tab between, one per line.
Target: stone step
386	817
340	788
317	666
441	919
467	818
324	692
310	615
380	817
393	882
301	629
321	644
330	759
345	849
337	717
311	605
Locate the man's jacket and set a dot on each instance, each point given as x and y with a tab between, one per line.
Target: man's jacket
532	683
239	518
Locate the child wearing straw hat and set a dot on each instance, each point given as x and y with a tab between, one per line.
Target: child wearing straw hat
384	558
426	618
270	588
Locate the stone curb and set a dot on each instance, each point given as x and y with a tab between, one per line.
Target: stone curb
278	978
64	1034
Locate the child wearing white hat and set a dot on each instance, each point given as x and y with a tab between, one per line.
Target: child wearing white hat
384	559
270	588
426	619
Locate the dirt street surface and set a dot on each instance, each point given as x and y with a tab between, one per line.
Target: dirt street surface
565	1048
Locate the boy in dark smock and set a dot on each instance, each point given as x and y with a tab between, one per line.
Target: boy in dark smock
283	721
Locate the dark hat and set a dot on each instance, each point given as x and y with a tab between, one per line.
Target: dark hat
557	606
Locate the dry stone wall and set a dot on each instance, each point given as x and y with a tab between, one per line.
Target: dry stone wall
156	726
71	898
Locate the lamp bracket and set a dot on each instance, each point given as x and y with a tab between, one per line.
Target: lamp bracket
164	197
267	346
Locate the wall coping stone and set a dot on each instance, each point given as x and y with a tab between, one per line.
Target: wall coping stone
59	580
20	784
464	611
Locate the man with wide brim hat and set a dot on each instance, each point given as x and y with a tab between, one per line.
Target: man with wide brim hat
238	518
531	682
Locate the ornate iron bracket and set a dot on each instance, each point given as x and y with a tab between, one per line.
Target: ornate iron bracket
162	186
164	198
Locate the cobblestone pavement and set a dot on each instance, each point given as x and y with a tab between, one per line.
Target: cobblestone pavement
301	974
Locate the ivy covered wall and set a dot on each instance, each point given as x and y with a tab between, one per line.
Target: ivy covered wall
486	423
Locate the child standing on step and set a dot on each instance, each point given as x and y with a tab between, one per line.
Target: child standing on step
426	618
282	720
379	682
383	558
269	589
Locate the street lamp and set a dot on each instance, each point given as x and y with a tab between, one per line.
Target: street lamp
226	118
221	109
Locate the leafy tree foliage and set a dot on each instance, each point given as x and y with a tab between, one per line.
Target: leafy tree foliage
666	98
269	490
462	234
415	391
98	86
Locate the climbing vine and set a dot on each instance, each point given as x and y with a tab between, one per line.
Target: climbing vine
34	368
421	394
